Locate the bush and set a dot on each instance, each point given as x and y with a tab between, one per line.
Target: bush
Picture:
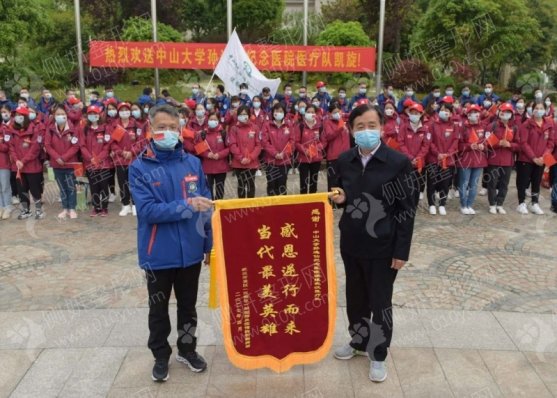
411	72
140	29
340	33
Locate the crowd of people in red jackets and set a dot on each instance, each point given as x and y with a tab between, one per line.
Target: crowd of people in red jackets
459	145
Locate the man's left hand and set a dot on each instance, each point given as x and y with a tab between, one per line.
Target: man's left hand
207	260
397	264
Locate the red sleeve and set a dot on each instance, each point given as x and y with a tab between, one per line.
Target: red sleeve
83	146
233	143
266	142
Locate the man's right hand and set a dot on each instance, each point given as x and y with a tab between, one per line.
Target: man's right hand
200	203
337	195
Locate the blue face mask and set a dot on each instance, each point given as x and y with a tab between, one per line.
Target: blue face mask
367	139
213	124
165	140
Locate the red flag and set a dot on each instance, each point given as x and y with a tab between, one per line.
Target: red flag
201	146
473	139
549	160
118	133
492	140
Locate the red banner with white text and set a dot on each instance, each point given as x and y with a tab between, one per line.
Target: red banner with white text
282	58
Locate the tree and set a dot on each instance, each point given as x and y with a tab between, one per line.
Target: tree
140	29
204	19
343	34
543	52
22	21
292	30
481	33
400	18
255	19
344	10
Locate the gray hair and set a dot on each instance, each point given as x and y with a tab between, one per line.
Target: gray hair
168	109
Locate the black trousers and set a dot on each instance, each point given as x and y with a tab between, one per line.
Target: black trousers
112	181
123	184
438	180
13	183
369	290
99	181
159	286
30	183
309	174
277	176
498	178
528	174
246	182
332	174
216	185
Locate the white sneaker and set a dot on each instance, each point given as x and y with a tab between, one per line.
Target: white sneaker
464	210
456	193
134	211
111	198
450	195
492	209
471	211
377	371
500	210
125	211
443	211
432	210
73	214
536	209
347	352
15	200
6	213
63	214
522	209
482	192
421	196
258	173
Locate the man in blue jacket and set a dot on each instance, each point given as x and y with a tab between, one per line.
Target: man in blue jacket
173	236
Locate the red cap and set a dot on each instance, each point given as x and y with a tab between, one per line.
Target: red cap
417	107
94	109
320	84
74	101
506	107
190	103
124	105
473	107
112	101
408	102
447	99
22	110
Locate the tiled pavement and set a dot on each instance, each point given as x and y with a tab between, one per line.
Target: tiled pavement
475	315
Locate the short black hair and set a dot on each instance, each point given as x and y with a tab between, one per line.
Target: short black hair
147	91
243	108
164	108
95	93
334	105
221	88
287	85
361	109
277	106
243	85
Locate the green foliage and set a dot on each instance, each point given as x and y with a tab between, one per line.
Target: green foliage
205	19
344	10
140	29
255	19
340	33
482	33
21	22
292	30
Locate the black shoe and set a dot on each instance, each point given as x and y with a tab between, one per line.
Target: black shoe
195	362
554	209
160	370
24	214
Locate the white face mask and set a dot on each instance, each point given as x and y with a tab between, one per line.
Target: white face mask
124	114
409	93
19	119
